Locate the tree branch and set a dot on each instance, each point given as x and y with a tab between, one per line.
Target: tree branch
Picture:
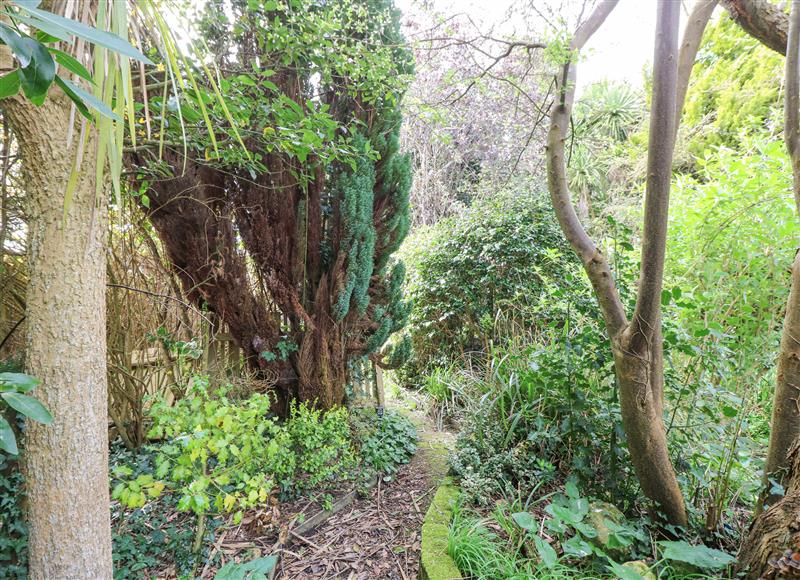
692	36
762	20
596	265
661	146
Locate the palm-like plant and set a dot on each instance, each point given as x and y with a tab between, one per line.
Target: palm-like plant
611	110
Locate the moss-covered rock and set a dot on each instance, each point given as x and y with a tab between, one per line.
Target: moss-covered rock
435	563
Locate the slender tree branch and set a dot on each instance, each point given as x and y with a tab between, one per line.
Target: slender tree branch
692	35
659	174
595	264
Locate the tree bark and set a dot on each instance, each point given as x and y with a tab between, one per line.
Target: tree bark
65	463
637	344
775	530
785	426
761	19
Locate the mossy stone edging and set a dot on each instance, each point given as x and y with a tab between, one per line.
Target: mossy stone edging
435	563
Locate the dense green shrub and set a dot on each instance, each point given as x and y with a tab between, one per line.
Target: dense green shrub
224	455
487	274
546	411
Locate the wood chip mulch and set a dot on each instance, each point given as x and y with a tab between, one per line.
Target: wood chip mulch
375	537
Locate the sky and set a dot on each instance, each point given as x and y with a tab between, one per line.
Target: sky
619	50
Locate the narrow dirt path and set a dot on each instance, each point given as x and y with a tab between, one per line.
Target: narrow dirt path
377	536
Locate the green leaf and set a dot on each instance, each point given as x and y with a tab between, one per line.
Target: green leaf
71	64
8	442
28	406
20	381
577	547
93	35
84	110
17	44
50	30
700	556
9	84
92	101
525	521
37	77
546	552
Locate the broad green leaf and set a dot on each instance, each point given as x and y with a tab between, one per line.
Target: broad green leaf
17	44
577	547
19	381
525	521
93	35
92	101
9	84
625	571
700	555
71	64
28	406
37	77
8	441
546	552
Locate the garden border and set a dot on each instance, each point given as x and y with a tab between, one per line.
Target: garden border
435	562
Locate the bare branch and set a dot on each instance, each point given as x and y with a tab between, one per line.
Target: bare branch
692	35
659	174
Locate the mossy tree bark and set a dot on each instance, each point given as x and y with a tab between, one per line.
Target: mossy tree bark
636	344
65	463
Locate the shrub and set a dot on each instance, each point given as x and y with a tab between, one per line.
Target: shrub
487	274
222	455
545	410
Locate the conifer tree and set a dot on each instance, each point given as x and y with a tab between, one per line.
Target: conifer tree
289	240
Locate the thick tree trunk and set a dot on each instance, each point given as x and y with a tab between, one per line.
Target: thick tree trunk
775	530
65	463
785	427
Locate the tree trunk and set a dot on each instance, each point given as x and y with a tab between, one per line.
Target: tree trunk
637	345
65	463
785	426
775	530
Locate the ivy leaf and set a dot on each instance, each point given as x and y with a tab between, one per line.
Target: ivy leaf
700	556
8	442
28	406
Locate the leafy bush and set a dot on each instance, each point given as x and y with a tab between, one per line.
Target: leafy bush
485	275
546	410
386	442
222	455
